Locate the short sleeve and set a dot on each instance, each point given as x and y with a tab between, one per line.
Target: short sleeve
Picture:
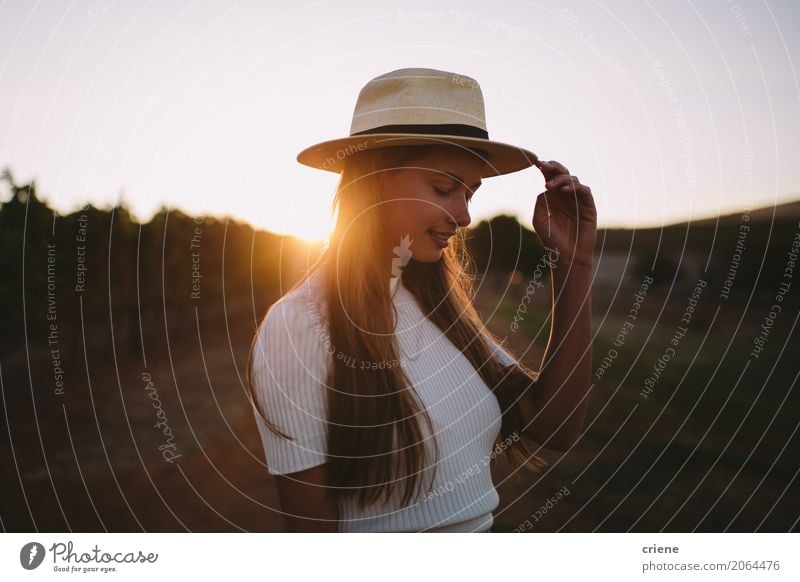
289	382
501	354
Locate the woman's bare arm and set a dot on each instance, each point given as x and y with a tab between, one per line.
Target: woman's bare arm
565	220
560	394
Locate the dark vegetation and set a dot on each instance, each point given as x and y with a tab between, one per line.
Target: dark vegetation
85	353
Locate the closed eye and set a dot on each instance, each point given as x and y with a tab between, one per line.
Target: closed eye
441	192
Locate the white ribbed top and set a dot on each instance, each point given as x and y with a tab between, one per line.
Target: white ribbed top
290	361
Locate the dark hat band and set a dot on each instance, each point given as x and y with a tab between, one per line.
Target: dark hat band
454	129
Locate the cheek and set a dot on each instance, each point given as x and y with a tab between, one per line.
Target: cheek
411	217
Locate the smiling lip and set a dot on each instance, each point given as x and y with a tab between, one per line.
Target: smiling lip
442	239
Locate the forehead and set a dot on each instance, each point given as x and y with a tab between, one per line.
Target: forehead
449	160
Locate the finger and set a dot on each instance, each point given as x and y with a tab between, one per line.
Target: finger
561	180
576	189
552	168
557	166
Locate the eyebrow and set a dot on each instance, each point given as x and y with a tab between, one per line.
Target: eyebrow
461	181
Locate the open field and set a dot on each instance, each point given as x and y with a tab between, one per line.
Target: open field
713	447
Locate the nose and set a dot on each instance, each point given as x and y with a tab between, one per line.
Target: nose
461	212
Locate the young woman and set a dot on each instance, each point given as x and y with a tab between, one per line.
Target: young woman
381	399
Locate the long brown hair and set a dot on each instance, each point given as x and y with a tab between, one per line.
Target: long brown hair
374	438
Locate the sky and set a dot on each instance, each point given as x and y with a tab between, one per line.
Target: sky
669	111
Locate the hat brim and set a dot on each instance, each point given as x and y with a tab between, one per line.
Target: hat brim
501	158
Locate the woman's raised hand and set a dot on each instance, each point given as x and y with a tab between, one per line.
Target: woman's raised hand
565	217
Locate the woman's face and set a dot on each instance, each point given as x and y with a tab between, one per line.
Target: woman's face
427	199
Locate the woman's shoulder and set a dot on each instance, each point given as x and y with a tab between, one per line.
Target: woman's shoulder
291	346
300	311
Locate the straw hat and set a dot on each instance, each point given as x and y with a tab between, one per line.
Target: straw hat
419	107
